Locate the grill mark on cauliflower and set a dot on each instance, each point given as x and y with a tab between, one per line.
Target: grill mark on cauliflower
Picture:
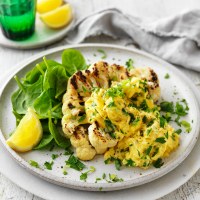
73	82
80	141
98	75
99	139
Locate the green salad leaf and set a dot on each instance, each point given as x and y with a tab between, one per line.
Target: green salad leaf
45	141
33	75
42	104
55	78
73	61
60	140
25	96
42	89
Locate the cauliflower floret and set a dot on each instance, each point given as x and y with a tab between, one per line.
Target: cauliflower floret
79	140
85	153
152	80
69	127
99	139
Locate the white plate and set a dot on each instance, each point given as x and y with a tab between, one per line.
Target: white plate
42	36
47	190
131	176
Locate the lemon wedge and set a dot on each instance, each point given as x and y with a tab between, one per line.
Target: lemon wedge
48	5
59	17
27	134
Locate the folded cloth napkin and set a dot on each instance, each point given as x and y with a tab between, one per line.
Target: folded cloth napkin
175	39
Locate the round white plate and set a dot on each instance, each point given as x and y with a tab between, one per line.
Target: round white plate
132	176
42	36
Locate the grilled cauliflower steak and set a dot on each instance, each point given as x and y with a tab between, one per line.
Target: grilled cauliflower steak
81	85
80	141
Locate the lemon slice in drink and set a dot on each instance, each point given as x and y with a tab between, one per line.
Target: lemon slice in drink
59	17
27	134
44	6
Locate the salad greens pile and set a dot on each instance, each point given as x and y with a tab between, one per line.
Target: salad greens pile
42	89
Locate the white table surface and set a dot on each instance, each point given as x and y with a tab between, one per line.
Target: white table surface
151	9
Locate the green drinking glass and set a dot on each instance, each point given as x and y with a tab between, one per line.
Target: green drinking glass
17	18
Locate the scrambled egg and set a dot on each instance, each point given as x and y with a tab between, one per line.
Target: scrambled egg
111	110
130	123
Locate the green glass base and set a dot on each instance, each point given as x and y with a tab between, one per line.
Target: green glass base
17	36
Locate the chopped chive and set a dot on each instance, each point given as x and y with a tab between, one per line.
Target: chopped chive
104	176
160	140
82	118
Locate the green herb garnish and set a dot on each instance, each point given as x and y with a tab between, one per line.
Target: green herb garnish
84	175
111	104
167	116
160	140
158	163
74	163
115	92
135	122
167	135
167	76
118	164
54	156
114	178
84	89
186	104
167	106
143	105
180	110
178	131
162	122
65	173
34	164
48	165
177	120
82	118
97	179
129	64
68	152
149	130
130	162
104	55
109	127
186	125
148	150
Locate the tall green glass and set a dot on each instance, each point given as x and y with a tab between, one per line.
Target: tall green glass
17	18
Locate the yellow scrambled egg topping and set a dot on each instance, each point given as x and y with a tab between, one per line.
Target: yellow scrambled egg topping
128	114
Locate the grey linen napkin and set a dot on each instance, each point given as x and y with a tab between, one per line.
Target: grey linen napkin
175	39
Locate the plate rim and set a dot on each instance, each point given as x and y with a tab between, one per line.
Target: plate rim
90	186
